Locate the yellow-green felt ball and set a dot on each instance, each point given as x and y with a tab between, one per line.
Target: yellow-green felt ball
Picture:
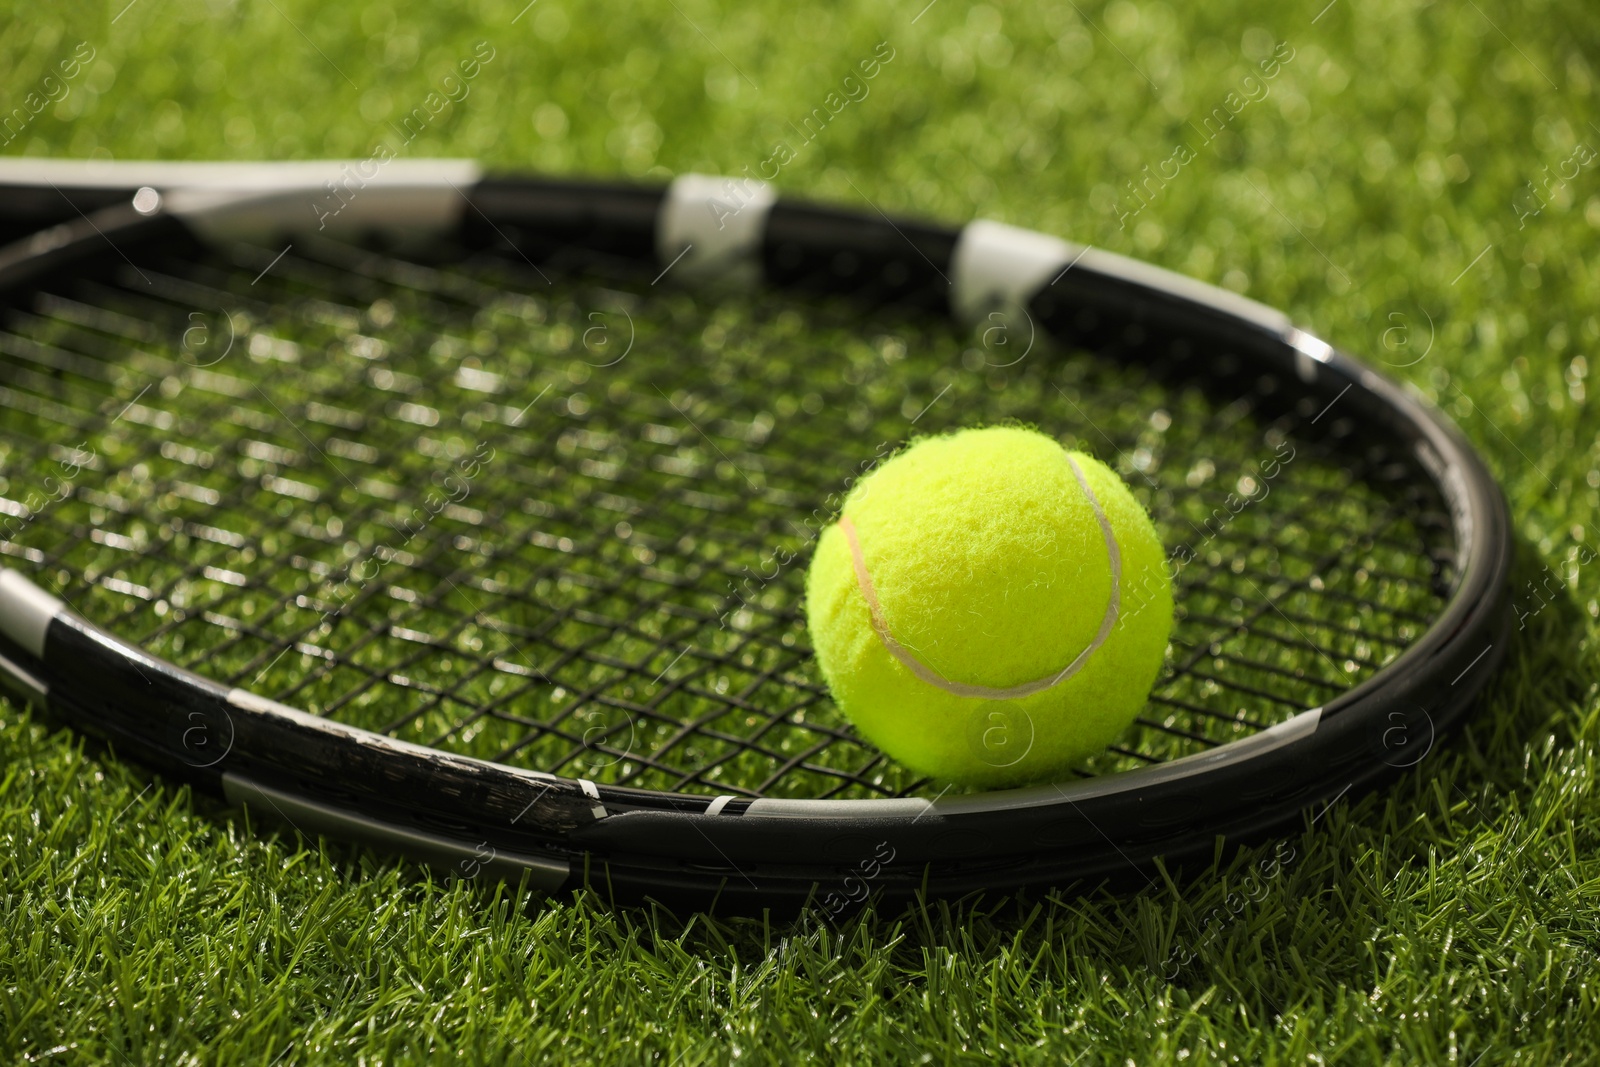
990	608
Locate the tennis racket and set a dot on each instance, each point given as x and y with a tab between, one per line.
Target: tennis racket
468	517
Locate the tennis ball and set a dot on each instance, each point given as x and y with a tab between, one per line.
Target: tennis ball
990	608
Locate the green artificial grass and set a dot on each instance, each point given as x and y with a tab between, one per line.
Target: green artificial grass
1369	172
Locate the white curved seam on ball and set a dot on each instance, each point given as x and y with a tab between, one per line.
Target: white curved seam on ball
1015	692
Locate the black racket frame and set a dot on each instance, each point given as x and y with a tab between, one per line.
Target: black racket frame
471	816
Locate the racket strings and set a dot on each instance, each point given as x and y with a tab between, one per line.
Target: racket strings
617	594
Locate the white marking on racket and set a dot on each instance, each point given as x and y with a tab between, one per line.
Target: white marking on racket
1015	692
716	806
715	226
592	791
26	611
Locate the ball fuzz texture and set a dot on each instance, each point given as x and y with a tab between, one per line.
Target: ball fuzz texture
990	608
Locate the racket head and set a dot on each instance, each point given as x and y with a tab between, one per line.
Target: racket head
691	751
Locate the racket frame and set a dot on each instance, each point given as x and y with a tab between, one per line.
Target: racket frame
473	816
